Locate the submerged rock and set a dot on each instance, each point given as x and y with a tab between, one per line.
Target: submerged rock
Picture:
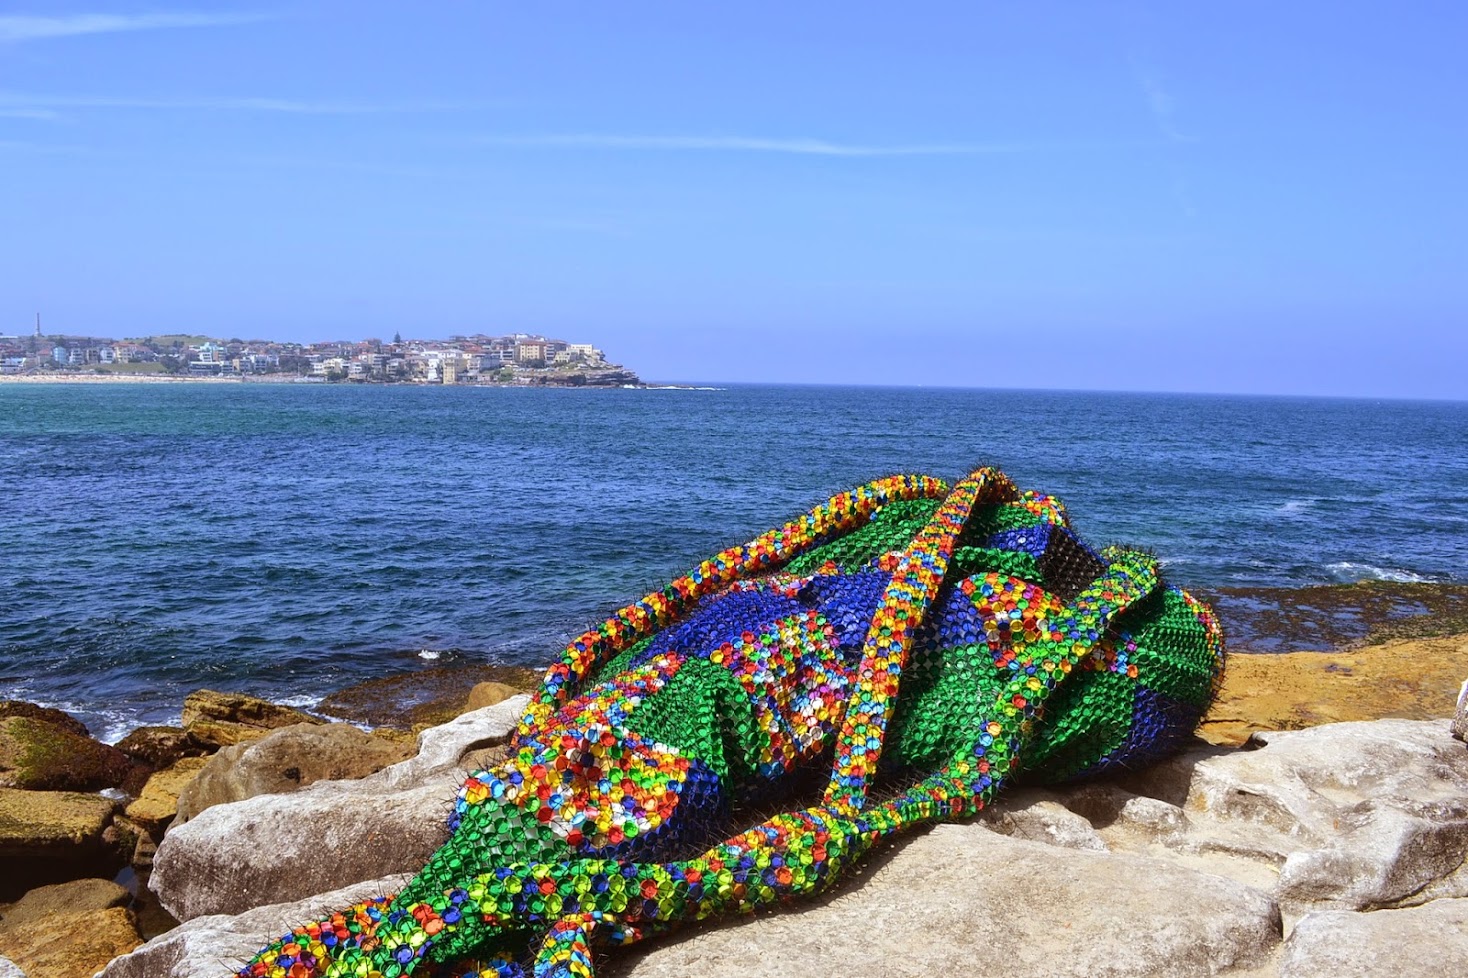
284	761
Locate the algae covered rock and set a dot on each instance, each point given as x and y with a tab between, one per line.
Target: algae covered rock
222	719
39	755
20	708
286	760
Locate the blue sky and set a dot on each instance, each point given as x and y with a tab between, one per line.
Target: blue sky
1243	197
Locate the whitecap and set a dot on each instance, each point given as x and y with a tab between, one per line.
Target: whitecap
430	654
1350	572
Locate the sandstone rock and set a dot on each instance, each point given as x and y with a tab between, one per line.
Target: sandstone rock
1421	942
488	694
160	747
156	804
221	719
1405	678
964	900
330	834
78	896
20	708
216	945
41	756
71	945
286	760
47	836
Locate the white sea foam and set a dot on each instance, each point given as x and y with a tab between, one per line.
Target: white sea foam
1348	571
301	701
1296	506
430	654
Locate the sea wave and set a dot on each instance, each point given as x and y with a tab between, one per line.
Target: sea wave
1348	572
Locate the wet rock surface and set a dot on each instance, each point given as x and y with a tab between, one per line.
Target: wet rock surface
424	697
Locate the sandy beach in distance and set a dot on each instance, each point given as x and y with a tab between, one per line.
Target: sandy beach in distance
139	379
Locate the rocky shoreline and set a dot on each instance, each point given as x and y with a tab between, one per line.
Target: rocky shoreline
1253	853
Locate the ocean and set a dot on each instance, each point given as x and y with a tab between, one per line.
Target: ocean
287	540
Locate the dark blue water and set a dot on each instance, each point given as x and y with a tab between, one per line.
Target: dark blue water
288	540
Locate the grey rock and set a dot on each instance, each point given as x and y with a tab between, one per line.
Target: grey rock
1353	815
1035	816
274	848
9	969
1026	908
284	761
1460	719
217	945
1429	941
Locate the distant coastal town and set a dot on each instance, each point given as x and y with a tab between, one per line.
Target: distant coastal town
520	359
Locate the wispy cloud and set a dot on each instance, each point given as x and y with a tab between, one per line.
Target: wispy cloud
46	106
20	27
752	144
1160	101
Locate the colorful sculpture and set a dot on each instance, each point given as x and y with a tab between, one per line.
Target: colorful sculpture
920	646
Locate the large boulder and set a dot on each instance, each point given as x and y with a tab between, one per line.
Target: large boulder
220	719
1418	942
284	761
330	834
154	808
39	755
964	900
49	836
